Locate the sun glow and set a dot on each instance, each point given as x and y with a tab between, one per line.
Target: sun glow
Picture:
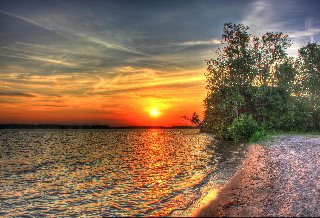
154	112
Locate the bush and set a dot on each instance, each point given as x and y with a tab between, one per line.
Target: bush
245	128
258	135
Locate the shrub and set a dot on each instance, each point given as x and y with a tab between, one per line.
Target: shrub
258	135
245	128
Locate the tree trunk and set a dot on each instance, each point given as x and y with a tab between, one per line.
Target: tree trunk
237	112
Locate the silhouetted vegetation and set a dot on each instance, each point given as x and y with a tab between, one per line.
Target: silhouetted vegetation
51	126
194	119
61	126
254	86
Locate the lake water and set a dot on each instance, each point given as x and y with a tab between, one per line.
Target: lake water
150	172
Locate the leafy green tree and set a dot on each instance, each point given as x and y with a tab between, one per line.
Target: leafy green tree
269	52
285	74
308	79
270	105
229	78
275	74
253	75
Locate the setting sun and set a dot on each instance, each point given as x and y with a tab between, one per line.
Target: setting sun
154	112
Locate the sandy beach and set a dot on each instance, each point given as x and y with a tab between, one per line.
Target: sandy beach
279	179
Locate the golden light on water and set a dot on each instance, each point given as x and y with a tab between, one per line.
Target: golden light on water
143	171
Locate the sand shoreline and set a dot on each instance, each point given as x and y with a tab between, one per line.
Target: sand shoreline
282	179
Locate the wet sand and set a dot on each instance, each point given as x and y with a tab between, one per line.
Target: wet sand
280	179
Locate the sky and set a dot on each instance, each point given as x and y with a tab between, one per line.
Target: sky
115	62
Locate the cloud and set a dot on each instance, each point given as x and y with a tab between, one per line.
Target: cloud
142	95
54	105
29	21
200	42
72	34
39	58
87	49
160	85
59	49
16	94
308	32
106	44
135	70
21	50
31	55
263	16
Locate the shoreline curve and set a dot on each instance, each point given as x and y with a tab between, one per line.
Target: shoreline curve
281	179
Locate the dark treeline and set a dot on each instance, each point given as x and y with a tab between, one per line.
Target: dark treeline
61	126
154	127
254	86
51	126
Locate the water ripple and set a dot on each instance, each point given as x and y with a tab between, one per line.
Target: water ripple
102	172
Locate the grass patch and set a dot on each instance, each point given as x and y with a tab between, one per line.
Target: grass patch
271	135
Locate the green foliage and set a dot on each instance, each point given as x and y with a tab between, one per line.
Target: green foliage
245	128
296	117
269	102
253	75
258	136
285	73
228	80
268	51
308	79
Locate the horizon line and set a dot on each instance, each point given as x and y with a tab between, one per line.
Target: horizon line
88	126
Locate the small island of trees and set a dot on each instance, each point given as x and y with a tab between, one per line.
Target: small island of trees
254	87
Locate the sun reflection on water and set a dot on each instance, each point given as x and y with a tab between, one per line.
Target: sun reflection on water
108	172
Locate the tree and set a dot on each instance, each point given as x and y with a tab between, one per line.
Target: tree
269	53
308	79
251	75
195	119
274	74
229	80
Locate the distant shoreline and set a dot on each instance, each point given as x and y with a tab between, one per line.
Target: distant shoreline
62	126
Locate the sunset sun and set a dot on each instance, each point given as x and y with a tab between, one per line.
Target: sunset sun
130	108
154	112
